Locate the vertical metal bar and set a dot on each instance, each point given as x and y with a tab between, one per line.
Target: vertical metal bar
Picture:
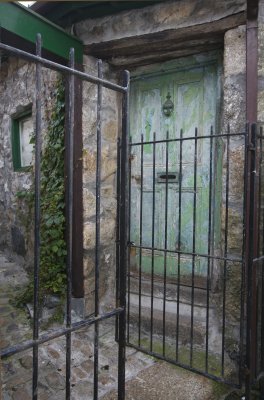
69	219
165	247
97	229
209	249
128	224
179	249
37	220
225	250
117	231
259	150
254	255
153	236
262	265
140	237
243	266
123	239
194	241
250	346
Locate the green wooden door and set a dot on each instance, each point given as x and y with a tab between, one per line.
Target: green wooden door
193	91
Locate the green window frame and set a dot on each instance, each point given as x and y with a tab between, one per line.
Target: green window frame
16	142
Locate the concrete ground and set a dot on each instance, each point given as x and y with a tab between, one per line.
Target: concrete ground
147	378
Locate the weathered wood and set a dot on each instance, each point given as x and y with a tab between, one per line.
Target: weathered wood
167	40
143	59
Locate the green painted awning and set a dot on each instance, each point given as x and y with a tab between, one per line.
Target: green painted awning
23	23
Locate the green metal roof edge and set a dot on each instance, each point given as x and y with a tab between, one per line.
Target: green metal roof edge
26	23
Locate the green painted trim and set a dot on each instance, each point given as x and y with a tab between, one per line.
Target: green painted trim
15	141
25	23
177	65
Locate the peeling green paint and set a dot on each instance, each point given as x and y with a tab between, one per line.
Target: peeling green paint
193	90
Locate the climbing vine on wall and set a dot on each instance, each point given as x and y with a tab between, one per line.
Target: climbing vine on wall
52	276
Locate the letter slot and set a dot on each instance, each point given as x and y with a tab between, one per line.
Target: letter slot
170	177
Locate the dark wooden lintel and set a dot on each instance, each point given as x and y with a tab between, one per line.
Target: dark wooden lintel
138	60
164	41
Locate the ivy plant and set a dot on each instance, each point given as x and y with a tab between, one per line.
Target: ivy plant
52	274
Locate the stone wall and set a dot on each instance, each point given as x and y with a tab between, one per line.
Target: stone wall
17	87
17	90
172	15
158	18
110	128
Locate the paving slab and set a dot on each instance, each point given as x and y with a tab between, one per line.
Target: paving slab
147	379
165	381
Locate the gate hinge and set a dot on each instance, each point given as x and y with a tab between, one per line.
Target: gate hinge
245	371
251	147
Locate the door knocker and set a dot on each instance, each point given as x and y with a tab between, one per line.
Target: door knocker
168	106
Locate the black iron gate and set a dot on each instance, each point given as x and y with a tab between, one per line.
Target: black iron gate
255	271
95	318
204	310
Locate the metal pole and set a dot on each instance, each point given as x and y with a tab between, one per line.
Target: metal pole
69	219
123	239
97	230
37	221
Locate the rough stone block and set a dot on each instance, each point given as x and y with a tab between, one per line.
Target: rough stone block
88	265
107	233
89	204
110	130
235	51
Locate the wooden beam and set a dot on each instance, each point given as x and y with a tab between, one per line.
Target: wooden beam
164	41
143	59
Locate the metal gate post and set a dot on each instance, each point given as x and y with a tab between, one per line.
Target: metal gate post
37	221
123	240
251	248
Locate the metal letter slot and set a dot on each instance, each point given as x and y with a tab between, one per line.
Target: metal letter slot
170	177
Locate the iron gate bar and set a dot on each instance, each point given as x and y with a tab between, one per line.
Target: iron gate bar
123	238
179	246
117	278
243	276
69	217
261	259
213	140
59	67
209	251
185	253
128	228
187	367
153	237
220	135
250	357
225	247
140	238
194	239
27	344
37	223
97	234
165	244
120	310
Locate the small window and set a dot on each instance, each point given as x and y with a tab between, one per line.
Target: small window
22	131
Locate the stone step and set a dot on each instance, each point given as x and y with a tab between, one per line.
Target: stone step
199	329
190	314
185	292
